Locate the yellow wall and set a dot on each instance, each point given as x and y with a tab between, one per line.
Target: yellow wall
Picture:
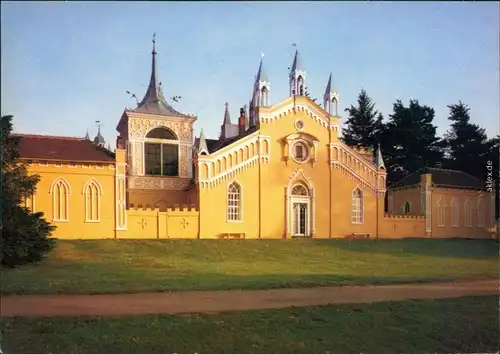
401	226
76	177
179	222
265	181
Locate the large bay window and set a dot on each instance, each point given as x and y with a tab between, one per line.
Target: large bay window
161	153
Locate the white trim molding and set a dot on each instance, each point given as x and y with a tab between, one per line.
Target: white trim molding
441	212
88	195
239	164
359	191
60	208
455	212
239	187
299	177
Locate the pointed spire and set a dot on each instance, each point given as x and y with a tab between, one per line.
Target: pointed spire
202	144
99	139
153	101
261	73
227	117
87	136
380	160
328	89
297	62
152	94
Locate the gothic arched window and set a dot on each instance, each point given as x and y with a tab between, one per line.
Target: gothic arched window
234	202
60	191
406	207
454	212
441	212
357	207
161	153
468	213
480	213
92	195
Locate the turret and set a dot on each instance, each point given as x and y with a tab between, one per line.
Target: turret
330	99
260	94
297	77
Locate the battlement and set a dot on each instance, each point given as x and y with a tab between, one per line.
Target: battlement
403	216
170	208
140	207
363	150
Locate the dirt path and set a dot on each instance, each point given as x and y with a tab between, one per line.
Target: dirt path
218	301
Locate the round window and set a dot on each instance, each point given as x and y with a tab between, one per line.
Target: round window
300	152
299	124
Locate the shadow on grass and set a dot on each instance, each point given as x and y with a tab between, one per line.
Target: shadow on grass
449	248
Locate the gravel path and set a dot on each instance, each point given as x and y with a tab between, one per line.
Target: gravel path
219	301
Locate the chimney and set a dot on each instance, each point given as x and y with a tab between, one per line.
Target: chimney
242	122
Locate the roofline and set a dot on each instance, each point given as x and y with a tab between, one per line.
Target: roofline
458	187
60	137
110	162
180	117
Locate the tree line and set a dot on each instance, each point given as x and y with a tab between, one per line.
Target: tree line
409	141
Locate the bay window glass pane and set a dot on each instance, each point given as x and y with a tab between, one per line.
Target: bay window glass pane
152	157
170	160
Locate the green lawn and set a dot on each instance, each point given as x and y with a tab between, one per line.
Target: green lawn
466	325
114	266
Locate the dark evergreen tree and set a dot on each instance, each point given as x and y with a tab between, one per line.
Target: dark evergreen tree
25	235
364	123
409	140
467	145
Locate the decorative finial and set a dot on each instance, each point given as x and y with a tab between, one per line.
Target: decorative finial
294	45
226	104
154	38
98	123
262	55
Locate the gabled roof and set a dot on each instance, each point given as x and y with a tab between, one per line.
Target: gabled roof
60	148
209	142
442	178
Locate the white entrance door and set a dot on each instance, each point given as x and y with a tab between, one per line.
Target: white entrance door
300	219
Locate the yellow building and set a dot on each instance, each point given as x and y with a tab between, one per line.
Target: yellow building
280	171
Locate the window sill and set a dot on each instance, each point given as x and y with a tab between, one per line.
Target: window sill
234	221
92	221
56	220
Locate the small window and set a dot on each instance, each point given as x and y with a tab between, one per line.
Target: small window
406	207
300	152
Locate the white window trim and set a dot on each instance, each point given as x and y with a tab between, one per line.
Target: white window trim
468	213
240	209
307	147
90	182
455	209
66	196
298	176
480	213
362	206
441	212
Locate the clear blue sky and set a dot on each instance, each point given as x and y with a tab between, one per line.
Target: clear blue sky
66	65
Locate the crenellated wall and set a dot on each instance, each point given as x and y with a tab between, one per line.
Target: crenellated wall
181	222
401	226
